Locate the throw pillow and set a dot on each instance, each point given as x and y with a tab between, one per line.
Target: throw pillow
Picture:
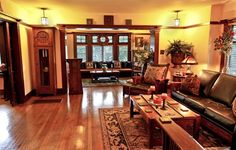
234	107
117	64
89	65
154	73
191	84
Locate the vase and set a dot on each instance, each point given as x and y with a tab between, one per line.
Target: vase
225	69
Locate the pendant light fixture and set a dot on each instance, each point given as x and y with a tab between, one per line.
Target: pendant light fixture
177	20
44	19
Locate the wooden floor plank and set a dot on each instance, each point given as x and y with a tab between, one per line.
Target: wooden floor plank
72	124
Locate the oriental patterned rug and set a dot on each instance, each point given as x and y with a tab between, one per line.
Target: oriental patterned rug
121	132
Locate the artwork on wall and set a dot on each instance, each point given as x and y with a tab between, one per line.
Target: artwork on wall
108	20
138	41
128	22
89	21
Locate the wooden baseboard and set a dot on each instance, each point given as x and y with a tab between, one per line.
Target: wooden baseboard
1	92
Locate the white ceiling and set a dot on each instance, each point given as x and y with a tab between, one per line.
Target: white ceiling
117	6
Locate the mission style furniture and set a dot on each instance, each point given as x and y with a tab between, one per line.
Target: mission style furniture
124	67
214	102
110	75
188	120
74	75
141	84
44	55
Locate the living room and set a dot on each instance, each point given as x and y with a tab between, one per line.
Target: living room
102	32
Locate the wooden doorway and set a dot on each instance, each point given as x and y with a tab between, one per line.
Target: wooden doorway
11	57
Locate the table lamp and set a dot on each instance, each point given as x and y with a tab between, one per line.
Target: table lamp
189	60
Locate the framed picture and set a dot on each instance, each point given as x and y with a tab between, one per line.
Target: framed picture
138	41
108	20
89	21
128	22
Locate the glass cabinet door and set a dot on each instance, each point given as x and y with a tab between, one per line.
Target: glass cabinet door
44	67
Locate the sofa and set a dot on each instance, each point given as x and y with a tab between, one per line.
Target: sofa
125	67
153	75
217	92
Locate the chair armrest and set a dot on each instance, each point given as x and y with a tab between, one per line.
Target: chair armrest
137	79
161	86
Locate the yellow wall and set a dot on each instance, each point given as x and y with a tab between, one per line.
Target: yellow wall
70	46
25	50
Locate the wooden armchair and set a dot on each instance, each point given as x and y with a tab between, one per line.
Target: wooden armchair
155	75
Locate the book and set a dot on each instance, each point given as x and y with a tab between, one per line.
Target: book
142	104
165	119
148	110
171	102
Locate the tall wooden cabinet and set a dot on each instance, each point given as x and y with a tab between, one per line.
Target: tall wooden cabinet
44	55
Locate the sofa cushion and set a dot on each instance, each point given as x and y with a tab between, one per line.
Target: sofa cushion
207	79
154	73
222	115
190	84
89	65
234	107
224	89
197	105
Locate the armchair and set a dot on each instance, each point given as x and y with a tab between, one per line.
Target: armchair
153	75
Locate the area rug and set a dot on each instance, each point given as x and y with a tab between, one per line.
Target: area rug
89	83
121	132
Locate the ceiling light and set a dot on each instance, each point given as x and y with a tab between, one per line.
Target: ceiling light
44	19
177	20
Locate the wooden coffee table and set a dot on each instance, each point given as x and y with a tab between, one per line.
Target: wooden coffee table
108	75
188	120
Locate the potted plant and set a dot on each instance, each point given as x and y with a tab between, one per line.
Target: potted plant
178	50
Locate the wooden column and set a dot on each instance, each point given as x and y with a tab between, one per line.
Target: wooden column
75	82
156	50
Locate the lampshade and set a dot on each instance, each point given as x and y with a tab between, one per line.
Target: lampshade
44	19
177	20
189	60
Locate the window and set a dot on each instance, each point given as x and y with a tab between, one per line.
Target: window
97	53
102	53
95	38
123	39
81	52
81	39
123	52
232	59
108	53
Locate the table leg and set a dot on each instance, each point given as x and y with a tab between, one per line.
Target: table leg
131	109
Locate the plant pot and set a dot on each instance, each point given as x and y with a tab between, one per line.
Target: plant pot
177	58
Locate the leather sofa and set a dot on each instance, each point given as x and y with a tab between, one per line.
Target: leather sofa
125	68
214	103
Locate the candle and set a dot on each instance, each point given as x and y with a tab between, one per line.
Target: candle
164	95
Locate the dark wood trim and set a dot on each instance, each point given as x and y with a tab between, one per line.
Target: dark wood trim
133	27
156	51
17	62
60	91
63	61
30	94
2	91
9	64
185	27
9	17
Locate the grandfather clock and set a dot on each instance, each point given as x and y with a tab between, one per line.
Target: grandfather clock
44	49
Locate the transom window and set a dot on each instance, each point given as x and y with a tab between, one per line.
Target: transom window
102	46
81	39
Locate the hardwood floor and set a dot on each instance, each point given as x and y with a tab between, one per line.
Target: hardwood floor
72	124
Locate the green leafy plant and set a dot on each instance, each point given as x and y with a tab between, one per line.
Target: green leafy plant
178	46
